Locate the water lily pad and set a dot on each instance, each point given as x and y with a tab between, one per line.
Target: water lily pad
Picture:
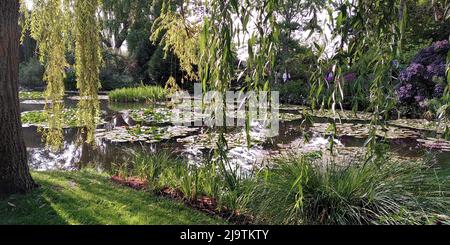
420	124
435	144
38	118
363	130
144	134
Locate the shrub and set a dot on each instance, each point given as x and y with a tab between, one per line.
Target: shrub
138	94
292	92
421	79
114	73
31	74
301	190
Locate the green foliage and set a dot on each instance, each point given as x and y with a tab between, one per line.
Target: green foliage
138	94
305	190
34	95
364	29
299	62
114	72
40	118
426	21
291	56
148	166
31	73
70	81
33	117
52	42
57	25
292	92
173	30
161	169
149	62
217	64
408	54
87	64
125	20
302	189
159	67
88	198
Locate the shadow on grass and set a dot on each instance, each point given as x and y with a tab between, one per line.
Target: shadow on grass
88	198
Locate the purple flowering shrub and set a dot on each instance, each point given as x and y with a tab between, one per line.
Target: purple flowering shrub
414	73
418	82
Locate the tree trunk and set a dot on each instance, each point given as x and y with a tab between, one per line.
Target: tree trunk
14	172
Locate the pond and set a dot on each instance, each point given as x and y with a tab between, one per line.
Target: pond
116	143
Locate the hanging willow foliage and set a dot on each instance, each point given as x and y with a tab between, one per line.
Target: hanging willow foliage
178	35
52	43
444	110
363	28
223	27
52	24
88	62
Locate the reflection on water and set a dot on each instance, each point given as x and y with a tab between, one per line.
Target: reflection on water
76	154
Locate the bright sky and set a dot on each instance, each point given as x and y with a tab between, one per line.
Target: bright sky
29	4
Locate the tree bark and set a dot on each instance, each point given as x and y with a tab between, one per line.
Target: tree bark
14	172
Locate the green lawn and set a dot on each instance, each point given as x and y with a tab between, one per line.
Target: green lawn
86	197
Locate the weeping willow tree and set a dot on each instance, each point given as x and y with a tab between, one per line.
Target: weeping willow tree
179	36
54	23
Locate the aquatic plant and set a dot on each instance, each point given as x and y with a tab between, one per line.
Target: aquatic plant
305	190
33	95
39	118
146	166
138	94
151	115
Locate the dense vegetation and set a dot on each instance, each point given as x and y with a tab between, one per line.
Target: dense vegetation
305	189
138	94
384	59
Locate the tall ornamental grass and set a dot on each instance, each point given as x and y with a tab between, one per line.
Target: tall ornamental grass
304	190
138	94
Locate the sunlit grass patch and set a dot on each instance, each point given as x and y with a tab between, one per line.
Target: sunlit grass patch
86	197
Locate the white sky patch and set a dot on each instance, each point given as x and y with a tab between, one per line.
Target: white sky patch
29	4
